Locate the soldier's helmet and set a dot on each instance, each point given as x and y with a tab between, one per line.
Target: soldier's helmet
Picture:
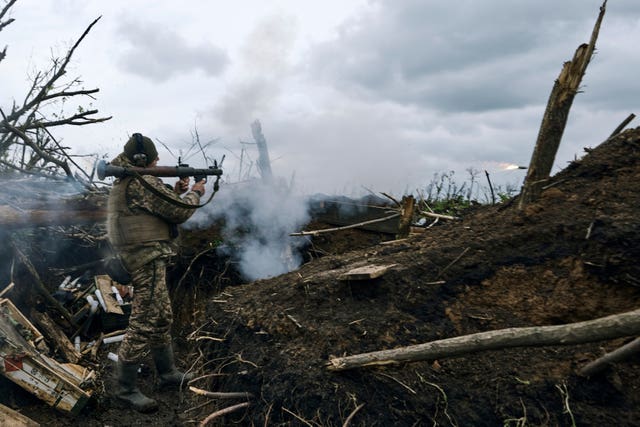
140	150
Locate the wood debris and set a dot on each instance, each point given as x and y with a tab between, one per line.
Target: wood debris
9	417
367	272
63	386
74	337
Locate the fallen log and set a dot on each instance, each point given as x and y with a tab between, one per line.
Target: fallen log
622	353
605	328
14	217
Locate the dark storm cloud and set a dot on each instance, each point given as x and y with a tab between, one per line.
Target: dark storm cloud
462	56
158	53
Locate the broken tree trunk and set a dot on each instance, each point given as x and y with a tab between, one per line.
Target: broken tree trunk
555	117
610	327
264	164
406	216
622	353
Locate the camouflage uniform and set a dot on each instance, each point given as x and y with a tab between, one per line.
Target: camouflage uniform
139	225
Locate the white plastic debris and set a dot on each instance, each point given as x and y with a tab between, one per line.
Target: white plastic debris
117	294
93	303
100	299
114	357
116	338
64	283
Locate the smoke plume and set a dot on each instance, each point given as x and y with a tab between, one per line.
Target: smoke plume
257	218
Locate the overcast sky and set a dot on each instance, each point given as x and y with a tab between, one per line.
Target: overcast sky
351	94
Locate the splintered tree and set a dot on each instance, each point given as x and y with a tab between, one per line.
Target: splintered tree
555	117
26	141
264	164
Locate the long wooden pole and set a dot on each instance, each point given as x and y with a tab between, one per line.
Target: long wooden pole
604	328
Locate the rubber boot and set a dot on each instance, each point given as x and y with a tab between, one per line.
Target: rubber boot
127	390
169	375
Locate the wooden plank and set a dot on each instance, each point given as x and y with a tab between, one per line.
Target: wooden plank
104	284
367	272
11	418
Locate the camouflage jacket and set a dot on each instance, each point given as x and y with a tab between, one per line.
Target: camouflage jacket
151	210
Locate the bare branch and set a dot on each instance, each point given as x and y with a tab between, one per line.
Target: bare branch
3	12
71	93
221	412
79	119
58	70
67	156
38	150
25	129
30	172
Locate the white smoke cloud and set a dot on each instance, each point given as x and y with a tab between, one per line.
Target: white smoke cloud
257	219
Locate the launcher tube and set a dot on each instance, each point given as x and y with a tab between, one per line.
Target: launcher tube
105	169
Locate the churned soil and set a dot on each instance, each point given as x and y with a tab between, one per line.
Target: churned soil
571	256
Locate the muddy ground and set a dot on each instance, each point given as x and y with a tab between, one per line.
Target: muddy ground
572	256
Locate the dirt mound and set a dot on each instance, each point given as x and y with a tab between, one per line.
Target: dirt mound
570	257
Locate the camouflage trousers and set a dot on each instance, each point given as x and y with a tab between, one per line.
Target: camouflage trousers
151	316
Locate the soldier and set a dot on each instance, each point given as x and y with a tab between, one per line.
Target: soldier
141	227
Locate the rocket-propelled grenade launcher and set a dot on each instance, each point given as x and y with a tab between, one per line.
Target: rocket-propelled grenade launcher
104	169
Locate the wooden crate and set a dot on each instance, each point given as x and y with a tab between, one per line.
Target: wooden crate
59	385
